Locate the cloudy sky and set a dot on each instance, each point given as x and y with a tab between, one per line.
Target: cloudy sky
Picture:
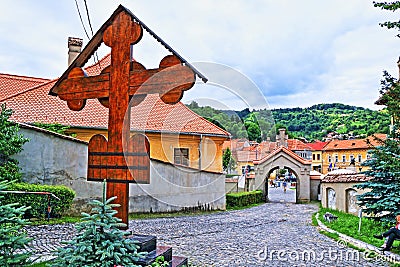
286	53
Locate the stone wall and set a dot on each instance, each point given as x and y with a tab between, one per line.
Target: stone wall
54	159
343	201
314	189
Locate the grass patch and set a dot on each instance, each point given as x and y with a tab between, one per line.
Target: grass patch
244	207
348	224
314	219
155	215
40	264
62	220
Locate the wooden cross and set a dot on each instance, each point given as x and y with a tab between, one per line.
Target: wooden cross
123	159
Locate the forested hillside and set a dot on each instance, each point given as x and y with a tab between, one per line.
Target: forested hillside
313	123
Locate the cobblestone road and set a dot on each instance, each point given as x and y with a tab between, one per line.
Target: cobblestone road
273	234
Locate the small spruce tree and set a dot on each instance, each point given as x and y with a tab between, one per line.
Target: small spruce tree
99	241
12	237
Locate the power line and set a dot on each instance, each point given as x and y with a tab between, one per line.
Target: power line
96	57
91	29
83	25
88	17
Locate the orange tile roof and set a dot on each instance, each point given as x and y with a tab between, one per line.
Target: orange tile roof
35	105
294	144
14	84
353	143
96	68
245	155
285	150
317	145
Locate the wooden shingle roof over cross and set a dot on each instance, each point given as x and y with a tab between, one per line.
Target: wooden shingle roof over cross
97	40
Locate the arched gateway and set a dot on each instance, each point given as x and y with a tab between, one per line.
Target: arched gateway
284	158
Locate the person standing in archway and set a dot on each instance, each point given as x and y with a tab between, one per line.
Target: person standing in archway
284	184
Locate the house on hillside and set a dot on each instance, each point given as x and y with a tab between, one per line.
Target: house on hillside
245	152
316	148
340	154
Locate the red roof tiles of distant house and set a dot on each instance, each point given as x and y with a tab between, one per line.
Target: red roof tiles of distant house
245	156
284	150
14	84
353	143
317	145
294	144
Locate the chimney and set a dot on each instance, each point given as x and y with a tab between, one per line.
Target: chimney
282	138
74	48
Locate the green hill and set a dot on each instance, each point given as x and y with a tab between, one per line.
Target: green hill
312	123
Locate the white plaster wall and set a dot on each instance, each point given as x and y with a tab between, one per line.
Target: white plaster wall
52	159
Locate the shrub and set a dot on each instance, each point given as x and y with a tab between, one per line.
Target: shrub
12	236
99	242
243	198
38	203
11	143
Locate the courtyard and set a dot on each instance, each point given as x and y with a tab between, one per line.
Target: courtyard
272	234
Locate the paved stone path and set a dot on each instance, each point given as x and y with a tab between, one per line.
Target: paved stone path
273	234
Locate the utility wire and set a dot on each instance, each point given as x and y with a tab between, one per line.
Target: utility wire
88	17
83	25
91	29
96	57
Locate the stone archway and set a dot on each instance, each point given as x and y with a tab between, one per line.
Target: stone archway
284	158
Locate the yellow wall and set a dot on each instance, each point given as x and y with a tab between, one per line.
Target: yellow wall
340	163
162	147
239	165
315	161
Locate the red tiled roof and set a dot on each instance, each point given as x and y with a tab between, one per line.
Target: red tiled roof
317	145
245	155
14	84
35	105
294	144
287	151
96	68
353	143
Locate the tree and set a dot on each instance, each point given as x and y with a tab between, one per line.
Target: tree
12	237
253	131
10	144
383	196
228	162
99	241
